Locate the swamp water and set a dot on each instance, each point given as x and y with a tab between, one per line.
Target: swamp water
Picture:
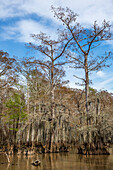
58	161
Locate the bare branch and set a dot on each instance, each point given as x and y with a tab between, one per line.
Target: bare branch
79	78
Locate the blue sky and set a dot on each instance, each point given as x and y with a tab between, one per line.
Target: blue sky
20	18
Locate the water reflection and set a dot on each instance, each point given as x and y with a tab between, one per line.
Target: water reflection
62	161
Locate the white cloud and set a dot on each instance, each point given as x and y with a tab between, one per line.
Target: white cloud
89	10
106	81
22	30
11	8
100	74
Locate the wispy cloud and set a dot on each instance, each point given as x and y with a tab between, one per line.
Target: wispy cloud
11	9
23	29
103	80
105	85
89	10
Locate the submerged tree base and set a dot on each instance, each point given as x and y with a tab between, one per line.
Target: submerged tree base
29	149
55	148
91	149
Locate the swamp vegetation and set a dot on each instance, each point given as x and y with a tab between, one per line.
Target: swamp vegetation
38	111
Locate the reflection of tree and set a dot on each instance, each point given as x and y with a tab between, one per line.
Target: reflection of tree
91	162
58	161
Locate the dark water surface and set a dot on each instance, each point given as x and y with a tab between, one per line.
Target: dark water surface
58	161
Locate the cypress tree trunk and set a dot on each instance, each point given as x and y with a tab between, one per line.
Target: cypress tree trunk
52	104
86	85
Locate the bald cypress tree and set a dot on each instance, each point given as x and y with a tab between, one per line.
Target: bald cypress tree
82	47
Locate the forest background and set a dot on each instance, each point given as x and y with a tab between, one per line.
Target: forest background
36	100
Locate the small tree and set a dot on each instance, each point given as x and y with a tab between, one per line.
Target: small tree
8	79
15	113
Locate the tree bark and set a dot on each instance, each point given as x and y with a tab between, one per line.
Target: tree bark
86	84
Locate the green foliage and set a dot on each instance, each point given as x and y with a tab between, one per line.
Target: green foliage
93	91
15	110
15	129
